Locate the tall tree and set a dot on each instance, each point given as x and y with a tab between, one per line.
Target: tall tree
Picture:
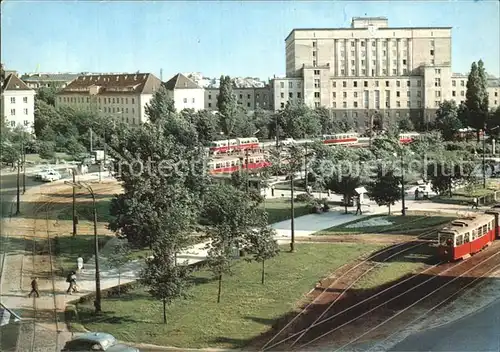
447	120
227	105
119	257
262	246
47	95
165	279
299	121
405	124
476	97
385	188
161	105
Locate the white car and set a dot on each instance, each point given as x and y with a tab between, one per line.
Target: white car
51	176
288	141
40	174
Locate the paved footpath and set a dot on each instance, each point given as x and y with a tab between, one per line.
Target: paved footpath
14	286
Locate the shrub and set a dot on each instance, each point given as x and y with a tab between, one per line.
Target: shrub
304	197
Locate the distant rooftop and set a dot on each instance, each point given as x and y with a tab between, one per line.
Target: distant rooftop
138	83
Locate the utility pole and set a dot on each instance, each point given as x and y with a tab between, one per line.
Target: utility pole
292	214
247	174
18	210
24	164
403	207
74	203
305	169
90	131
277	133
97	302
484	158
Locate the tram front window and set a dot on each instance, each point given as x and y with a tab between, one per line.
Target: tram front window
445	239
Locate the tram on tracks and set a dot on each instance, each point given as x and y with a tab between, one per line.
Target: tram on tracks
406	138
236	144
467	236
340	138
227	165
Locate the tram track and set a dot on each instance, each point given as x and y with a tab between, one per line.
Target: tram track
360	270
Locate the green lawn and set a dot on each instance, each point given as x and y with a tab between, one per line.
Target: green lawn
85	211
399	223
278	209
247	308
466	195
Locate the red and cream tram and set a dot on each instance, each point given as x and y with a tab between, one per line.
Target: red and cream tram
229	165
405	138
340	138
464	237
223	146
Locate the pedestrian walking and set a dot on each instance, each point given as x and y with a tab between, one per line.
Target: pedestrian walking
34	287
272	191
71	279
475	203
358	207
79	263
416	194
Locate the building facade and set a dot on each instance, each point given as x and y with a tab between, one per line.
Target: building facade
371	67
185	93
17	103
251	98
45	80
121	96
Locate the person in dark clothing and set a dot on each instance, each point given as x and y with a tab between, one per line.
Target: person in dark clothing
416	194
358	206
71	279
34	287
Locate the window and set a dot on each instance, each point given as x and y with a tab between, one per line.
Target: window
352	53
404	62
282	84
314	62
376	83
355	104
408	83
316	72
387	105
210	97
453	93
394	62
419	104
282	105
334	84
334	94
342	72
398	114
387	83
393	71
408	104
436	104
462	83
354	84
419	83
126	100
185	100
25	111
334	104
432	51
398	84
317	104
248	104
282	95
126	109
344	104
362	62
496	94
438	93
397	94
344	84
363	72
462	93
454	83
209	105
12	100
398	104
352	44
314	53
355	94
290	95
192	101
316	83
113	100
26	123
133	101
314	44
437	82
353	72
133	110
298	95
384	71
405	71
344	94
316	94
437	71
12	112
241	96
25	100
248	96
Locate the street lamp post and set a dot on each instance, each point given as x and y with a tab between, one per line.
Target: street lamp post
403	207
97	302
23	146
292	214
18	209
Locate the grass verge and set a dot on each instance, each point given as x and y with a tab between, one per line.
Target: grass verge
278	209
247	308
401	224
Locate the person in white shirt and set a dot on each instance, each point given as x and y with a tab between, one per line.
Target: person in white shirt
79	263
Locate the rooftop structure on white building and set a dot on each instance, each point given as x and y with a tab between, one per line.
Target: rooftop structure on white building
17	103
121	96
43	80
185	92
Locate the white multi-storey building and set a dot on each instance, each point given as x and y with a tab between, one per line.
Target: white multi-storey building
185	93
44	80
397	72
18	103
122	96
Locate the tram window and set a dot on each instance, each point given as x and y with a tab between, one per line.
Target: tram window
459	240
473	235
466	238
485	229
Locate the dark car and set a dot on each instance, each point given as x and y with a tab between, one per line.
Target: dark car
96	341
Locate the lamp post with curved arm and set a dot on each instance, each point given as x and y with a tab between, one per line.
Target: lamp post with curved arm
97	302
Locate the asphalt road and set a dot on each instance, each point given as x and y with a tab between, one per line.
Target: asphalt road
476	332
8	191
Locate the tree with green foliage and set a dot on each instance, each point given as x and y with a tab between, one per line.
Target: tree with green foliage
405	125
46	149
476	97
299	121
165	279
262	120
118	257
45	115
343	180
206	124
229	226
447	120
262	246
227	106
47	95
161	105
385	188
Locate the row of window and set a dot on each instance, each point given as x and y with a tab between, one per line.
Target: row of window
387	94
362	42
257	95
25	122
377	104
87	100
479	232
374	53
13	112
13	100
376	83
374	62
290	84
116	110
363	72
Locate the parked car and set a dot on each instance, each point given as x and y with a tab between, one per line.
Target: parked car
51	176
40	174
287	141
96	341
